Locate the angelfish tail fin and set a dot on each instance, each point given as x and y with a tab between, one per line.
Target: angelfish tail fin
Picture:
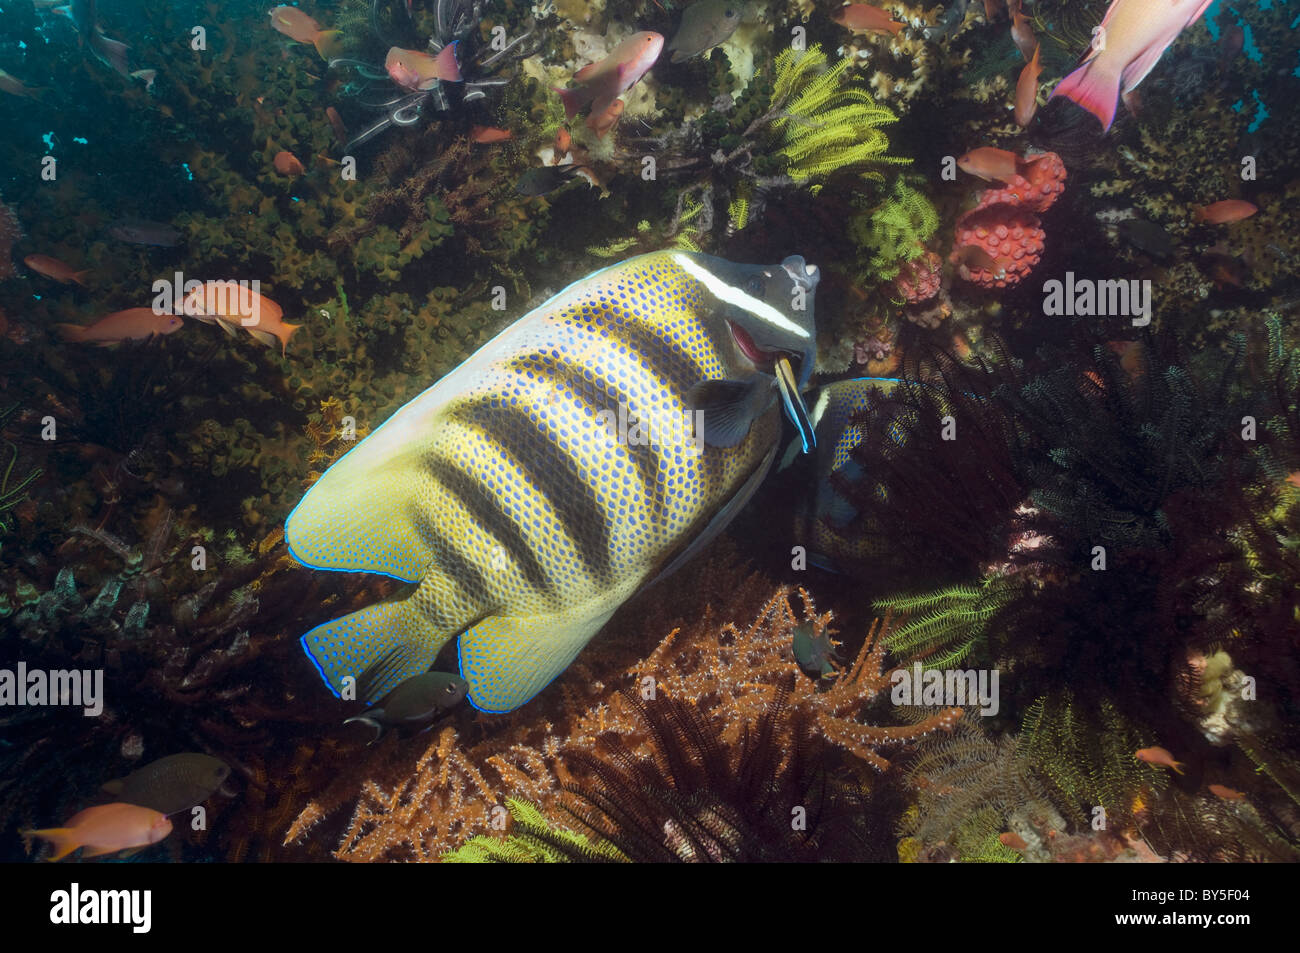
1095	87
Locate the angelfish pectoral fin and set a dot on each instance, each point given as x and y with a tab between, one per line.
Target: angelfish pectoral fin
795	408
507	660
729	407
350	647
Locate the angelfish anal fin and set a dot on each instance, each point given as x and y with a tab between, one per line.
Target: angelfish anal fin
507	660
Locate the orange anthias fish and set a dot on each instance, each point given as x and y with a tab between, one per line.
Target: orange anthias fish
602	83
1012	840
1222	213
1227	793
230	305
1133	36
106	829
1022	32
1158	756
563	142
489	134
989	163
133	324
286	163
336	123
60	271
864	18
603	123
15	87
1027	91
414	70
298	26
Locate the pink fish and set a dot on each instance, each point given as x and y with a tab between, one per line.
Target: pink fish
1022	32
134	324
1133	36
286	163
298	26
864	18
105	829
60	271
412	69
1222	213
601	83
602	123
15	87
1027	90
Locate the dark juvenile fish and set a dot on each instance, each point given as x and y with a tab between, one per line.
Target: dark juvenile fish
140	232
175	783
813	652
1146	236
546	178
954	15
416	701
704	25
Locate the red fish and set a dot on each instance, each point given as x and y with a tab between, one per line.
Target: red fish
1230	44
1158	756
105	829
602	124
336	123
989	163
286	163
231	306
602	83
298	26
15	87
864	18
1134	35
563	142
489	134
60	271
1023	33
1222	213
1012	840
1027	91
414	70
1228	794
133	324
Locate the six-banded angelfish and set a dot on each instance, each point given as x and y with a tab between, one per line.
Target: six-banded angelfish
586	451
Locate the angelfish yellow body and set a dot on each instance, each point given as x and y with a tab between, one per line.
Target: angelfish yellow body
535	488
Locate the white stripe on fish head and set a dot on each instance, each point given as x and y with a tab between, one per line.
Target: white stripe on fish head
738	297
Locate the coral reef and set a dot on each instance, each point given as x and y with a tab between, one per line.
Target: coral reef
729	674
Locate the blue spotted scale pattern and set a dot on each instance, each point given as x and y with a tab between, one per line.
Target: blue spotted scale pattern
502	493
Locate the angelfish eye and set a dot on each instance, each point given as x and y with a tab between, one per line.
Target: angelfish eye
755	286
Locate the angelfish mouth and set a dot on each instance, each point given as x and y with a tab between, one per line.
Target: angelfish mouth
762	360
